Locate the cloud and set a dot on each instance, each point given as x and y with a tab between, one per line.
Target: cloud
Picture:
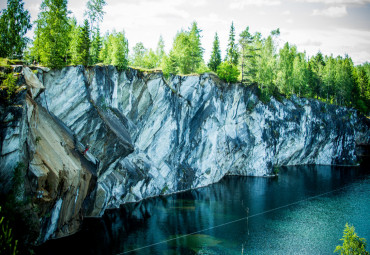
332	12
289	21
240	4
331	41
310	42
199	3
337	2
287	12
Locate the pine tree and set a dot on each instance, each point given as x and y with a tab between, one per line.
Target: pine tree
215	59
84	44
232	54
52	33
14	24
248	55
196	53
96	46
363	103
169	64
328	77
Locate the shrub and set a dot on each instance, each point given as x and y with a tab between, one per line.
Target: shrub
228	72
7	243
352	243
8	87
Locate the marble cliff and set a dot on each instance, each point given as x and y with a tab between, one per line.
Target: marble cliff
151	136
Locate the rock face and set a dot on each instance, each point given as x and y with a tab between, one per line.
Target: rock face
191	131
150	136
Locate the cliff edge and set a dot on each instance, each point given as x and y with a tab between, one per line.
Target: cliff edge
151	136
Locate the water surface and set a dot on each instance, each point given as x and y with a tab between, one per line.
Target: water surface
303	211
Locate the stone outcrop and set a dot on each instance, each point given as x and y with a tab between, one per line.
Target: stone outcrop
190	131
152	136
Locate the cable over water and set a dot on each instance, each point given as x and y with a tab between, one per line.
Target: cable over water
240	219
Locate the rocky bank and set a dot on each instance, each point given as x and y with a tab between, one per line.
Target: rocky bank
151	136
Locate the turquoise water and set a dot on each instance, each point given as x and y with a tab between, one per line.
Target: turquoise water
303	211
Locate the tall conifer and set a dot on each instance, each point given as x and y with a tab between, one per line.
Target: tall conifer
215	59
232	54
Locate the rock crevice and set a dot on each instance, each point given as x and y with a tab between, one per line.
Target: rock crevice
149	136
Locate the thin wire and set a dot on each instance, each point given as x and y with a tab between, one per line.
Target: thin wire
234	221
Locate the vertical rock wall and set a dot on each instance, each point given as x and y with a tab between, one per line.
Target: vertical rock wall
190	131
151	136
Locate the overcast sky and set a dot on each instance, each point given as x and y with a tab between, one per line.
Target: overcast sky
332	26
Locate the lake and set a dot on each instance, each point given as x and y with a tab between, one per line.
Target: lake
302	211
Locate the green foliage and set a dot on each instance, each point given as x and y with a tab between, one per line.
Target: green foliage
232	53
37	140
4	62
119	53
79	46
215	59
300	74
52	38
18	210
285	69
186	53
83	45
203	68
250	45
267	63
164	190
115	50
264	96
74	34
14	24
7	243
8	88
151	59
352	243
138	54
228	72
148	59
169	65
96	45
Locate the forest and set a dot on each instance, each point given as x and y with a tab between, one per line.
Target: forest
250	59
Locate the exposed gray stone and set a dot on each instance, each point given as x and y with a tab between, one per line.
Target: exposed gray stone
150	136
191	131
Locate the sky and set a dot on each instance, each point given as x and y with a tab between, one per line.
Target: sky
335	27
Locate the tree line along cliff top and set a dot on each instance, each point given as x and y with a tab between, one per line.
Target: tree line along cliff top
249	59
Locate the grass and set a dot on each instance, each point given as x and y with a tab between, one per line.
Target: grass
4	62
146	70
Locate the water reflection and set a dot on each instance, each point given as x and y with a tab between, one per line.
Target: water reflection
310	226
